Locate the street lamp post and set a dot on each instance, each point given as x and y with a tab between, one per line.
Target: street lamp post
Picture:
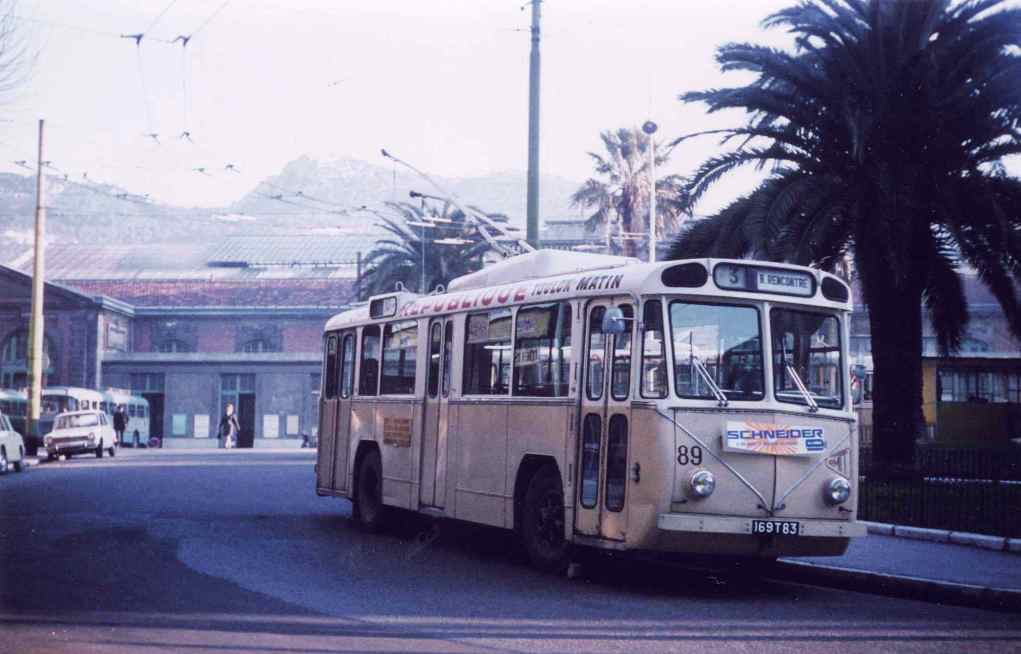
650	128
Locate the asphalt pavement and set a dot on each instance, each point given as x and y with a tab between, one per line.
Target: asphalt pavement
233	551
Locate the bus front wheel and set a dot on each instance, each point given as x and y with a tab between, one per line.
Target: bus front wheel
542	524
369	510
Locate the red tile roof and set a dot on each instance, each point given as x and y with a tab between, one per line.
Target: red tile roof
222	293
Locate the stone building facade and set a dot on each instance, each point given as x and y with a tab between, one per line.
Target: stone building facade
190	328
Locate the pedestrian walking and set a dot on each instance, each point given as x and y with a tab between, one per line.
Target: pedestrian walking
229	427
120	424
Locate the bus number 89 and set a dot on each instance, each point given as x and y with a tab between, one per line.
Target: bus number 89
692	456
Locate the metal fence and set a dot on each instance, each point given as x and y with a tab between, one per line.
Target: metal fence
960	489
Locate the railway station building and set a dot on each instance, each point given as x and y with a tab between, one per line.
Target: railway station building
191	328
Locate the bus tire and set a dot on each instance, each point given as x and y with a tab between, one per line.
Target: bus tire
542	522
3	461
99	450
19	465
368	508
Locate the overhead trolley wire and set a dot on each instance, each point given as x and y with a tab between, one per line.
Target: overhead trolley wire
210	18
156	20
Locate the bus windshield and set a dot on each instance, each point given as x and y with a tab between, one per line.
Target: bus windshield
722	341
806	345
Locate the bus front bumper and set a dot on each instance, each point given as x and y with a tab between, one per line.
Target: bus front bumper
712	524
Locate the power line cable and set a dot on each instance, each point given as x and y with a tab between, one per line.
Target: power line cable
210	18
159	17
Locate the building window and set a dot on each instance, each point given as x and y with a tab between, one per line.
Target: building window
257	345
173	346
147	382
979	385
14	365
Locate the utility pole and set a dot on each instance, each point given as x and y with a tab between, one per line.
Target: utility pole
532	231
35	330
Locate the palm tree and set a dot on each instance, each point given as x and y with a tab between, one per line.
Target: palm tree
883	133
620	193
399	258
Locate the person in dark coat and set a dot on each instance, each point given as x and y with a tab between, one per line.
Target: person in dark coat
229	427
120	424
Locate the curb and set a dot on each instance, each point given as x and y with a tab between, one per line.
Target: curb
995	543
904	587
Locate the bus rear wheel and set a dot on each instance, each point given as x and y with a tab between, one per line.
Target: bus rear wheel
542	523
369	510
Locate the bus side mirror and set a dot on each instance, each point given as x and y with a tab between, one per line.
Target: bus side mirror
614	321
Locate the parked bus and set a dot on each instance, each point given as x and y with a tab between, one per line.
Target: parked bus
687	406
58	399
137	409
14	405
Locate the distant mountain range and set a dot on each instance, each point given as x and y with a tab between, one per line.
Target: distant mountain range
345	183
306	194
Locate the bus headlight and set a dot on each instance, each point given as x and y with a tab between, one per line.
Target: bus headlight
837	491
92	437
703	483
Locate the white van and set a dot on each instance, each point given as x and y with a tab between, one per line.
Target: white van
80	432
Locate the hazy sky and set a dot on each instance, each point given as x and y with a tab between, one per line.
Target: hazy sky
442	84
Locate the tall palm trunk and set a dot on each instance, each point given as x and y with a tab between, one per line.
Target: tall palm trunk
627	212
896	324
894	298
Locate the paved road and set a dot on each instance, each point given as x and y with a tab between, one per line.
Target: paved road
232	551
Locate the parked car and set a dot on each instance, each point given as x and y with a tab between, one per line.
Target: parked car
80	432
12	447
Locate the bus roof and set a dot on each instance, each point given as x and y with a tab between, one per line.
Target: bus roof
537	265
762	280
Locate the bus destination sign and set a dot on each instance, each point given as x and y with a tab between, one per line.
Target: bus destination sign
737	277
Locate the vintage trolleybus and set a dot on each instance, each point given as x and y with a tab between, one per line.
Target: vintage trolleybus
696	406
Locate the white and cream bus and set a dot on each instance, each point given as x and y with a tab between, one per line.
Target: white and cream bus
693	406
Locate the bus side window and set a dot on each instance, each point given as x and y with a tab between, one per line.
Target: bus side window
596	347
347	366
616	463
542	346
448	355
400	353
330	375
654	375
368	374
590	440
487	353
621	380
435	341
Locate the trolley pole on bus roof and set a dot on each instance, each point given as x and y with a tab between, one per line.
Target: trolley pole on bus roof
532	231
35	331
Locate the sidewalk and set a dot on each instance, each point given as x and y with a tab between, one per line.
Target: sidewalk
941	572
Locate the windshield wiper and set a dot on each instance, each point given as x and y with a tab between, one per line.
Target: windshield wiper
809	400
703	372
